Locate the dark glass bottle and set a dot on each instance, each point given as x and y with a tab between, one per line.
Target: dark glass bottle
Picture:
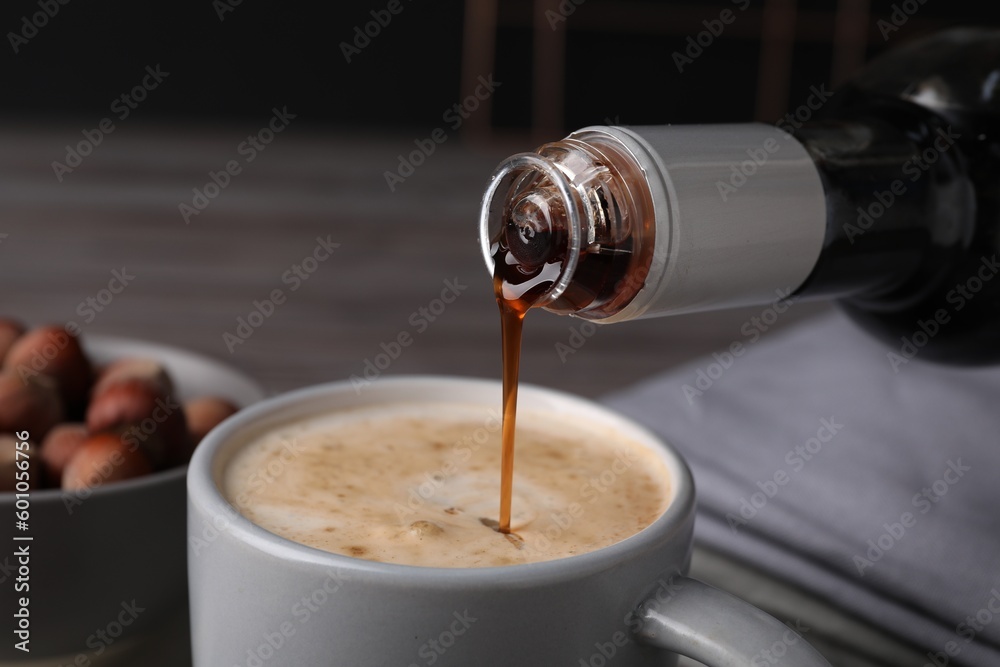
883	196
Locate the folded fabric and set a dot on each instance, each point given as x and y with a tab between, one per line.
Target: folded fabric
853	470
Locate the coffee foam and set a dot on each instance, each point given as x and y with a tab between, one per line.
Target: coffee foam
418	484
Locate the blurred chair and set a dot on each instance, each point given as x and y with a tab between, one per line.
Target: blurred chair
778	25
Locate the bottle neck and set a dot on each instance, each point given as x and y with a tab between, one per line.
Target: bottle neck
897	204
561	227
613	224
706	217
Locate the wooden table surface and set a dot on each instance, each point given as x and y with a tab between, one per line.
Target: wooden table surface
188	282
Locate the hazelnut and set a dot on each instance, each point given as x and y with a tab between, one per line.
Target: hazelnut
52	351
104	458
141	414
10	331
120	370
30	404
58	448
205	413
17	463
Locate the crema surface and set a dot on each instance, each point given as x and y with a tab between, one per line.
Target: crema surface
418	484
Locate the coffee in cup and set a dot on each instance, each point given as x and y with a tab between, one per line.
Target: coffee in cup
418	484
258	598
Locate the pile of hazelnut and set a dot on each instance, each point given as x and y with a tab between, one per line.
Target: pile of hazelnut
88	426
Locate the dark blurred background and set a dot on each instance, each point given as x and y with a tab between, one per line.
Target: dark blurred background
604	60
66	233
560	65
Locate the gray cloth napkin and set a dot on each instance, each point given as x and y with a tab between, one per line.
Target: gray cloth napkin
824	460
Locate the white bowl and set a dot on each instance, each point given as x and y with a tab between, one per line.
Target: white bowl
124	542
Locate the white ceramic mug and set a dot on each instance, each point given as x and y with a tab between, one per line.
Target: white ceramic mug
259	600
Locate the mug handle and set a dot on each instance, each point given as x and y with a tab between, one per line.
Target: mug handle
721	630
